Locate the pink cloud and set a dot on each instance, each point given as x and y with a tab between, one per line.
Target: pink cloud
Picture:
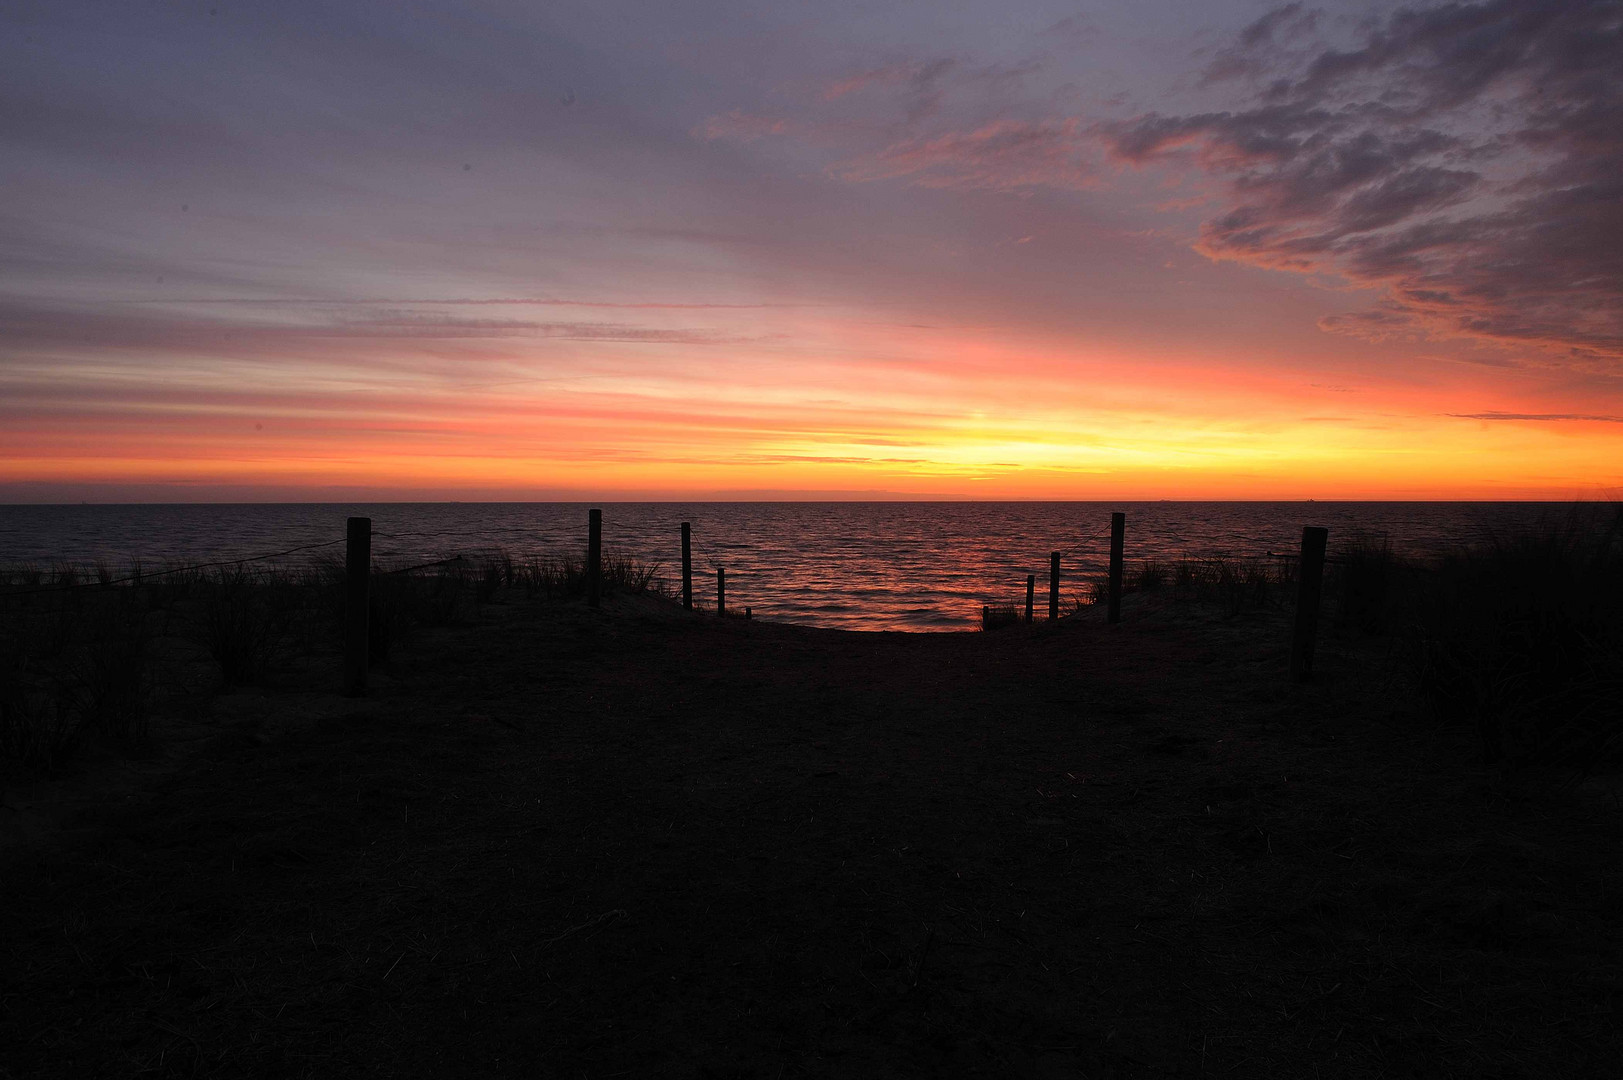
1001	155
741	125
916	73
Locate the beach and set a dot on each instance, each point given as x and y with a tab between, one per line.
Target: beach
736	540
640	841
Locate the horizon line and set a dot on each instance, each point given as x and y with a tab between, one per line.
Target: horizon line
749	501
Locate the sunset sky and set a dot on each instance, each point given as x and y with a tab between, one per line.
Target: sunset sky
504	250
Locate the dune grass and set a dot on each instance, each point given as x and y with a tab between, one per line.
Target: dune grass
1236	585
1519	639
1522	639
87	652
993	617
72	669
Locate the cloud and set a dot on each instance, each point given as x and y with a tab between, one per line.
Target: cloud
1259	43
1588	417
918	76
743	126
1385	321
1001	155
463	301
938	122
1464	159
29	328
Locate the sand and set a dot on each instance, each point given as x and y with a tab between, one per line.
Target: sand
634	842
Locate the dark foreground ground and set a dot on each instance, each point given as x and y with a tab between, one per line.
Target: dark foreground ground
628	843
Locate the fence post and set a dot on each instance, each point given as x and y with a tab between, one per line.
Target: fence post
357	578
721	593
1118	531
594	557
687	566
1309	585
1031	594
1053	585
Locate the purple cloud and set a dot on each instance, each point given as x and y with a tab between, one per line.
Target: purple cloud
26	327
743	126
1000	155
920	77
1466	159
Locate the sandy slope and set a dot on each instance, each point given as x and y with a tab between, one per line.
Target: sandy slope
632	842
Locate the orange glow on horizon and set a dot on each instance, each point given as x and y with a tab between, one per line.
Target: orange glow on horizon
905	411
966	251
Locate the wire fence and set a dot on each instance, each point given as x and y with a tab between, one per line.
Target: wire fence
1080	582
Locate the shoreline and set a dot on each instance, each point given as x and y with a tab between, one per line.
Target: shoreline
818	564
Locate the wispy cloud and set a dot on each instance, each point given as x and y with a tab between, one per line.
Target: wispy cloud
916	120
441	301
33	327
1001	155
922	77
1540	417
744	126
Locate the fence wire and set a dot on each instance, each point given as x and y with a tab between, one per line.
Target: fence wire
1074	560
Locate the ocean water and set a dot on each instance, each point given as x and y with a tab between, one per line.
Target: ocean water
863	566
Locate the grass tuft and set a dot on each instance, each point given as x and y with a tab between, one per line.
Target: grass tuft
994	617
243	620
1522	639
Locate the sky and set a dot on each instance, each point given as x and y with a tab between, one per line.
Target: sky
688	250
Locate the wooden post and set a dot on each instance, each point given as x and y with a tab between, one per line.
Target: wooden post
1031	594
721	592
687	566
357	578
1309	584
594	557
1118	531
1053	585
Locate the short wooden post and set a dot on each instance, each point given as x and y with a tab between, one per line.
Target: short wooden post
357	579
594	557
1118	531
1053	585
721	592
986	616
1031	594
1309	585
687	566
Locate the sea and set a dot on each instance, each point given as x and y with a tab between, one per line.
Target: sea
919	566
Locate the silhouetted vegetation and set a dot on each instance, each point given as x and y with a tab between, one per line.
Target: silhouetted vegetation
246	614
1519	638
994	617
73	669
903	848
86	653
1523	639
1235	585
1360	582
